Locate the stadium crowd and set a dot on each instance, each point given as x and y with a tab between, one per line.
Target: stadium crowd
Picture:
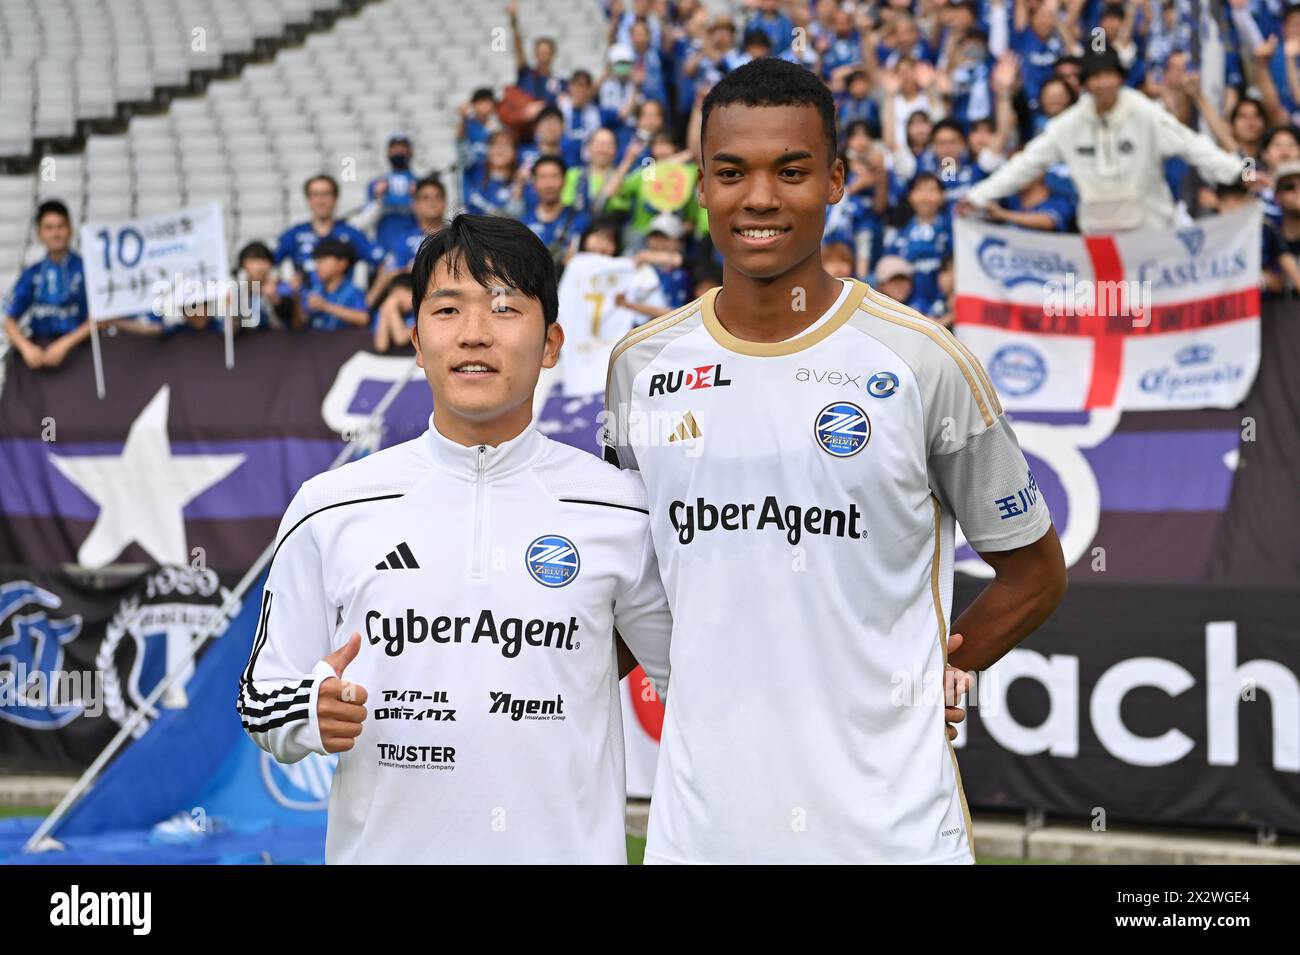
1019	111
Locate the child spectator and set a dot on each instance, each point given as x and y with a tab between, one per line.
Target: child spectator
330	301
50	295
924	240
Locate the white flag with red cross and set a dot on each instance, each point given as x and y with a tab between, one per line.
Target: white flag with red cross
1141	321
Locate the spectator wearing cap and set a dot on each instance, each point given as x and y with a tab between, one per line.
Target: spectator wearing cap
1115	142
298	242
618	95
663	250
893	277
536	79
50	295
557	225
328	300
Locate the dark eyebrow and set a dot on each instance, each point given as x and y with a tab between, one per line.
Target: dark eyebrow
793	156
457	293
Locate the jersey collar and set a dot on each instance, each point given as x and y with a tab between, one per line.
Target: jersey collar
504	458
767	349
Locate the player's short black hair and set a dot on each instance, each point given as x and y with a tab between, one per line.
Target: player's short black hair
52	207
491	248
771	82
431	180
549	161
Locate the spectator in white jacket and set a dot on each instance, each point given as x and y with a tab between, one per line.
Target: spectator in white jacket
1115	141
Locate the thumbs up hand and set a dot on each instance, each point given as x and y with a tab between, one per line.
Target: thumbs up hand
339	704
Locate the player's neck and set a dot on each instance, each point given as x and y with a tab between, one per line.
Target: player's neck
492	432
776	309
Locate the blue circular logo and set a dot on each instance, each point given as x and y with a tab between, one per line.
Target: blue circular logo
842	429
552	560
1017	370
882	384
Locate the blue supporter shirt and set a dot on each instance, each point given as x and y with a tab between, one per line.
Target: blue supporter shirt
298	244
925	245
486	196
1037	58
346	294
568	225
547	87
53	294
1059	207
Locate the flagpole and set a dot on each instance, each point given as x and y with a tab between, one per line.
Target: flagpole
219	621
98	357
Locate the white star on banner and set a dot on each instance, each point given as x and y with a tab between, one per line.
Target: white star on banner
142	491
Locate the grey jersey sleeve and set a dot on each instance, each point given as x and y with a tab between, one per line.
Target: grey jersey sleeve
643	620
976	466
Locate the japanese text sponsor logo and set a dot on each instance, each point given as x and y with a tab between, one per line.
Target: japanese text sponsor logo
687	379
401	756
1017	370
518	708
842	429
509	634
793	520
415	705
552	560
1019	503
1014	265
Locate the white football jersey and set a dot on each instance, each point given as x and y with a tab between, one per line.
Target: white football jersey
486	583
593	322
802	503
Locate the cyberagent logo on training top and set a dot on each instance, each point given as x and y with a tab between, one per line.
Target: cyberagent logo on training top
842	429
552	560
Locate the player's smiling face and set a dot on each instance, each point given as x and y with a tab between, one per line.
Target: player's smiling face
481	349
768	178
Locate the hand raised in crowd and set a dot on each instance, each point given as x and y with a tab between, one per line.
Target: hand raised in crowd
1006	74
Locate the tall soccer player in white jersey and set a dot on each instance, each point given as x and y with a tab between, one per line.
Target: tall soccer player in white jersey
442	613
806	445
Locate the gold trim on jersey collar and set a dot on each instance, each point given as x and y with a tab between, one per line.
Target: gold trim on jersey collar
767	349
